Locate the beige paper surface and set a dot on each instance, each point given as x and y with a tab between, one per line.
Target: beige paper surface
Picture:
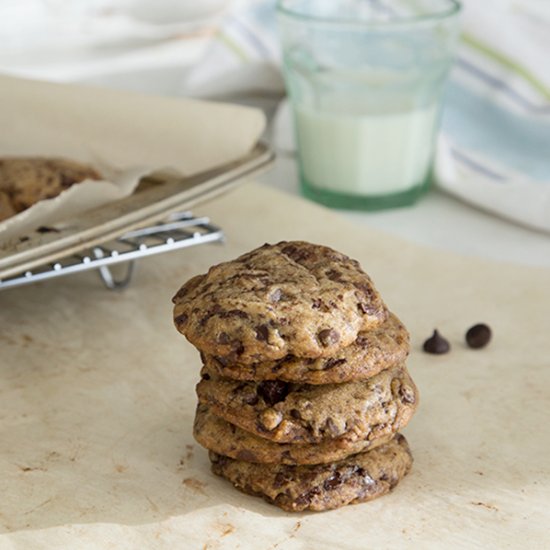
97	400
124	135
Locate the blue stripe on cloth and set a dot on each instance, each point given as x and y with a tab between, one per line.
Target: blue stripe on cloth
499	84
476	165
477	123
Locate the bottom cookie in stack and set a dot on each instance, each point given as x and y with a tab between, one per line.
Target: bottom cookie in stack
358	478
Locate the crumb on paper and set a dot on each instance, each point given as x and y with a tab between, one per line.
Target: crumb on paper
31	468
226	529
154	507
190	449
485	505
194	484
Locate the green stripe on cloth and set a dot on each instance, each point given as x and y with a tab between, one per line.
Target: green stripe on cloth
233	46
527	75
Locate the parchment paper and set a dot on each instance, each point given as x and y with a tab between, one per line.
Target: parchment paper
97	401
125	136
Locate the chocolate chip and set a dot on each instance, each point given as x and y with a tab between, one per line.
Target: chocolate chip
180	320
365	288
328	337
295	413
332	362
205	376
238	348
223	338
222	361
180	294
294	253
262	333
247	456
436	344
205	318
332	482
281	479
305	498
289	250
273	391
334	275
478	336
365	309
233	313
362	341
317	303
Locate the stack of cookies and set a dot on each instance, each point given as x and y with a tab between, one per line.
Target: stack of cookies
304	385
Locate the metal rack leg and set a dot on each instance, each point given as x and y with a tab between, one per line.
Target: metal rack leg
107	277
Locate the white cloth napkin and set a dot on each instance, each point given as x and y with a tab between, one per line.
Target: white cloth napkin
494	149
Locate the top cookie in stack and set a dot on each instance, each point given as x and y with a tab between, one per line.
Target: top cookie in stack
303	376
290	298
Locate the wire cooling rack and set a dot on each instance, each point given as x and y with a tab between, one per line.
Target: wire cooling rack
180	230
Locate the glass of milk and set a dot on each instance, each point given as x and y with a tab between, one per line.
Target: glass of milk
365	79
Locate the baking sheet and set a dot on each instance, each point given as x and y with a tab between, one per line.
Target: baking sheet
146	206
123	135
97	401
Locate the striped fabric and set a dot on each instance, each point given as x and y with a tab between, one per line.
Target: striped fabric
494	148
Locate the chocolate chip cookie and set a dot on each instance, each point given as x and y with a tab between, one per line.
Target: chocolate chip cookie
27	180
6	208
384	346
303	413
226	439
289	298
358	478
